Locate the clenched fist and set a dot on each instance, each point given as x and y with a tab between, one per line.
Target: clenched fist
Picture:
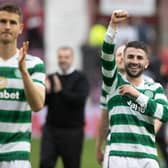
118	16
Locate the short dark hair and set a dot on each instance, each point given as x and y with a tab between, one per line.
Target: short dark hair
66	48
138	45
11	8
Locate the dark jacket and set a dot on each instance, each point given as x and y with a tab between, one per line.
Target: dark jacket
66	108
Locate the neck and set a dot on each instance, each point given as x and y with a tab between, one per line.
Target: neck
67	71
135	81
7	50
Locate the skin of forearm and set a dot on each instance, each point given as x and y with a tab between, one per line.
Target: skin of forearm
157	125
102	128
35	94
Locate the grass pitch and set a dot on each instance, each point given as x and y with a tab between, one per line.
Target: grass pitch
88	156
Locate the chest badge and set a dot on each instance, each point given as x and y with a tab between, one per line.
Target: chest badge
149	93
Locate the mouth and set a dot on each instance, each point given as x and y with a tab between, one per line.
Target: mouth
134	70
6	33
133	66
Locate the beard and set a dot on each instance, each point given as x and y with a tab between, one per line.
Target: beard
134	74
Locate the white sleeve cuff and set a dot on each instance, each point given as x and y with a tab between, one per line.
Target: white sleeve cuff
110	35
142	100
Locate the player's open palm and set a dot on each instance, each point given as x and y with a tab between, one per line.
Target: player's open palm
22	56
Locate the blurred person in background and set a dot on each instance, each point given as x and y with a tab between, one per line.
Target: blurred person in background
22	90
63	132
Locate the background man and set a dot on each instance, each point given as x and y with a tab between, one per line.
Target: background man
63	134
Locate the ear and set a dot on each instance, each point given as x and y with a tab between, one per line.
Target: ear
146	64
21	28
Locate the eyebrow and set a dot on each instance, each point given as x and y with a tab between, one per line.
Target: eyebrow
138	56
6	20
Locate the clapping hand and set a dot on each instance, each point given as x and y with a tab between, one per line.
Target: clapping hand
57	84
22	56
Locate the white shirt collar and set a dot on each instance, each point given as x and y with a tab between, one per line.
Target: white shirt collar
140	86
11	58
17	54
69	71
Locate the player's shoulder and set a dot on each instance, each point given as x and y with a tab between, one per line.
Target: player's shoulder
152	85
33	60
148	78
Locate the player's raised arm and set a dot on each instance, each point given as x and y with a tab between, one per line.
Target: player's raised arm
109	69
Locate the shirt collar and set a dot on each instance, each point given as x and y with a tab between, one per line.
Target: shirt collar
69	71
140	86
11	58
17	54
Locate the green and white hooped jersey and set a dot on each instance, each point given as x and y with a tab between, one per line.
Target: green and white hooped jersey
15	113
103	103
131	127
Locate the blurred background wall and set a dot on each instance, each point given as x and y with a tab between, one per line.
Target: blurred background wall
66	23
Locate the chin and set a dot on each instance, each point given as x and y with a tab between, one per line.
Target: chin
6	41
134	75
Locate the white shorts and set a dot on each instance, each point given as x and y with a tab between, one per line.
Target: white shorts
15	164
129	162
106	156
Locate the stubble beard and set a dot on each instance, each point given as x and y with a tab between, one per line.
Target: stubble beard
134	75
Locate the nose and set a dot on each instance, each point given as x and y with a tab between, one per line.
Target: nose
7	25
134	60
122	58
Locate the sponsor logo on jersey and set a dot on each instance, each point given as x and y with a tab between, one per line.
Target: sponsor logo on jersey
6	95
136	107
